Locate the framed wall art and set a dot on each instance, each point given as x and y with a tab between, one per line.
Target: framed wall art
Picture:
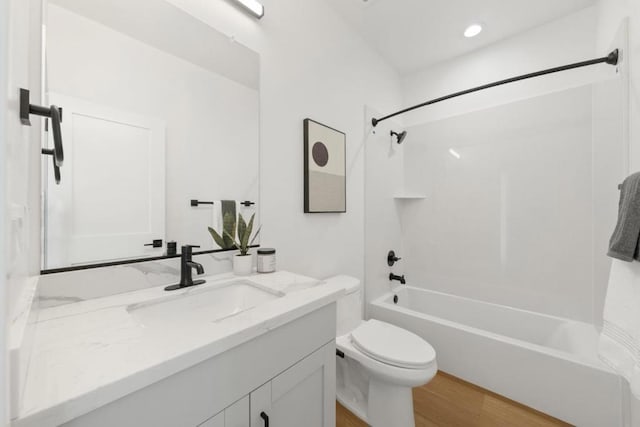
325	181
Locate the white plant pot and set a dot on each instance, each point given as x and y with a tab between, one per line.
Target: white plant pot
242	265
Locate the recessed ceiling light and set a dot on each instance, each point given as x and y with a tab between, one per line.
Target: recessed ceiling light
454	153
253	6
473	30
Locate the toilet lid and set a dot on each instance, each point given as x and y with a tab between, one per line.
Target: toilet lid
392	345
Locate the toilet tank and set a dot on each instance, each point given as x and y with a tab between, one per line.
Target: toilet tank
349	310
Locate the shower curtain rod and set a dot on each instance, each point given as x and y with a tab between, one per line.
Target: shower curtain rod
611	59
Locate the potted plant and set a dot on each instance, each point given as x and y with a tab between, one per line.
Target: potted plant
242	261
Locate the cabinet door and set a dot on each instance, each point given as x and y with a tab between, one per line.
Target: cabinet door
303	395
237	415
216	421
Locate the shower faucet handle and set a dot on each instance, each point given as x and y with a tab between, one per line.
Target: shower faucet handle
392	258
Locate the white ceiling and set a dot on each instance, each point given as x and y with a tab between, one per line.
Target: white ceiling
414	34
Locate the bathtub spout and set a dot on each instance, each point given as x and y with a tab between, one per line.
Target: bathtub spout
398	278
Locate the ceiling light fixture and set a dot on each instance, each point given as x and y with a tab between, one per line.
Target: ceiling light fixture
255	7
454	153
472	30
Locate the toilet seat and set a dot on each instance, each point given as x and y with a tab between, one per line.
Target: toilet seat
392	345
384	371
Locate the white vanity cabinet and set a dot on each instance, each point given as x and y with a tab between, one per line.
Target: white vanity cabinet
216	421
287	372
303	395
236	415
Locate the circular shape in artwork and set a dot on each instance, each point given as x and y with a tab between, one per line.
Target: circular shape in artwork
320	154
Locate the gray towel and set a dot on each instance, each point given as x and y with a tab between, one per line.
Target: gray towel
623	244
228	207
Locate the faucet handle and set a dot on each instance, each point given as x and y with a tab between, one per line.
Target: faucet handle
392	258
188	249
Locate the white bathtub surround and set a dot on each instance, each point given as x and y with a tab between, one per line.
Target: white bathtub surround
381	362
545	362
93	352
491	206
619	344
242	264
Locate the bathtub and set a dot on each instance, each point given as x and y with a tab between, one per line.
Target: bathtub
544	362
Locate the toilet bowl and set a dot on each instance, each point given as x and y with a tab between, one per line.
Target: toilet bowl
378	363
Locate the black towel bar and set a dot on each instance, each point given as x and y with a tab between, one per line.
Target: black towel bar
195	202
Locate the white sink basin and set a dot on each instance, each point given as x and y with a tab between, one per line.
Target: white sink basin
202	304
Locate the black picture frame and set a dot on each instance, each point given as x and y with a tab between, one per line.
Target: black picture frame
324	192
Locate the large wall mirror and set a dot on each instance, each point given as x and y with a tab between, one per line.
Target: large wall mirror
158	109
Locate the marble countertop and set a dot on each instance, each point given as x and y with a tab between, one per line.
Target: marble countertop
90	353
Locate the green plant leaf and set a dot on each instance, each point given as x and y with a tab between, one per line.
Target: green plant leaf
255	236
242	228
217	238
245	238
237	245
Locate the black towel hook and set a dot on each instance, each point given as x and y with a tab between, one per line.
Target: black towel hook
55	114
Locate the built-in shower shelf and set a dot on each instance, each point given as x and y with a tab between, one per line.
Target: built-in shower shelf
409	196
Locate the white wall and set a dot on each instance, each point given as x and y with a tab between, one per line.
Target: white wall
4	368
21	160
22	173
212	122
313	65
611	13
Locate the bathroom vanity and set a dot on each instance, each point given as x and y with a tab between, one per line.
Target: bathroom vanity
234	352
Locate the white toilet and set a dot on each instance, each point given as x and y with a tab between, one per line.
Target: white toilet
381	363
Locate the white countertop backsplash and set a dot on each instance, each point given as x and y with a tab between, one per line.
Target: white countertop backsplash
80	285
88	350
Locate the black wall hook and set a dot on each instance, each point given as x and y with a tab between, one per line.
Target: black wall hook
56	169
54	113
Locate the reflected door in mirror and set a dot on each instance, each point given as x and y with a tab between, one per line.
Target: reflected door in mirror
113	200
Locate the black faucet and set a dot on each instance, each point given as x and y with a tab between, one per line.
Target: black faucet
398	278
186	264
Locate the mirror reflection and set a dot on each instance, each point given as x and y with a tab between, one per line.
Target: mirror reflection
158	110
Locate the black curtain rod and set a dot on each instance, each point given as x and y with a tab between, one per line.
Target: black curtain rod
611	59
